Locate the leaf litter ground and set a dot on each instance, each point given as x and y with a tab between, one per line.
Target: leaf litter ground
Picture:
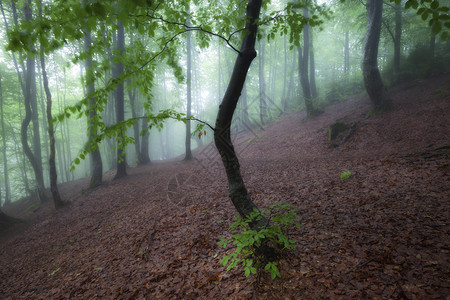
383	233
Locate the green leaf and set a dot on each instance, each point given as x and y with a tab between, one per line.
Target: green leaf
434	4
437	27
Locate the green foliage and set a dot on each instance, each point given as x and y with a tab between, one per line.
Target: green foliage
346	175
249	243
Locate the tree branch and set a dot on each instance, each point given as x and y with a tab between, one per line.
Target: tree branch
196	28
386	25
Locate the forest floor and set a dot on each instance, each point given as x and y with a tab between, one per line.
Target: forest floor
383	233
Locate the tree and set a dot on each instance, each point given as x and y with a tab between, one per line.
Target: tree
120	106
371	74
312	69
95	157
31	114
188	155
262	82
5	160
51	133
222	135
303	61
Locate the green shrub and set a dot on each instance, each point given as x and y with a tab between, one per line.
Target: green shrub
260	249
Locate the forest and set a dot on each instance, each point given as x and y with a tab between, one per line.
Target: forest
240	149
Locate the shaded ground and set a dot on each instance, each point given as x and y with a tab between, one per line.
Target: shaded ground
382	233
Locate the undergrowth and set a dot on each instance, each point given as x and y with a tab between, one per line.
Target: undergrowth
259	249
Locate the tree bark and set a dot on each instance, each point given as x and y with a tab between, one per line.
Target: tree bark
95	157
222	136
5	159
371	74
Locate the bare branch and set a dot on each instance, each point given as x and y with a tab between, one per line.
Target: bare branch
196	28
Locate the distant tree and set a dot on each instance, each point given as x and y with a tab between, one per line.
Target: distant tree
188	151
371	74
262	81
120	105
5	159
303	62
312	69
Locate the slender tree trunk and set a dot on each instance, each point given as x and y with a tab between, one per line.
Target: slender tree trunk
283	98
262	83
432	44
5	159
52	165
398	38
188	155
96	159
222	135
219	68
44	120
303	61
20	157
346	56
312	70
144	158
120	105
60	160
291	86
372	78
31	114
65	129
137	140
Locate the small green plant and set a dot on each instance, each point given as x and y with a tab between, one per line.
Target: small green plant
346	175
259	249
54	272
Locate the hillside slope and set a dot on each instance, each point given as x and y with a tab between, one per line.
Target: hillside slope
384	232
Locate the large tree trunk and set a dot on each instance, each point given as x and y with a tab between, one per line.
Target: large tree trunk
372	78
31	113
5	159
95	157
222	137
120	106
51	133
188	155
